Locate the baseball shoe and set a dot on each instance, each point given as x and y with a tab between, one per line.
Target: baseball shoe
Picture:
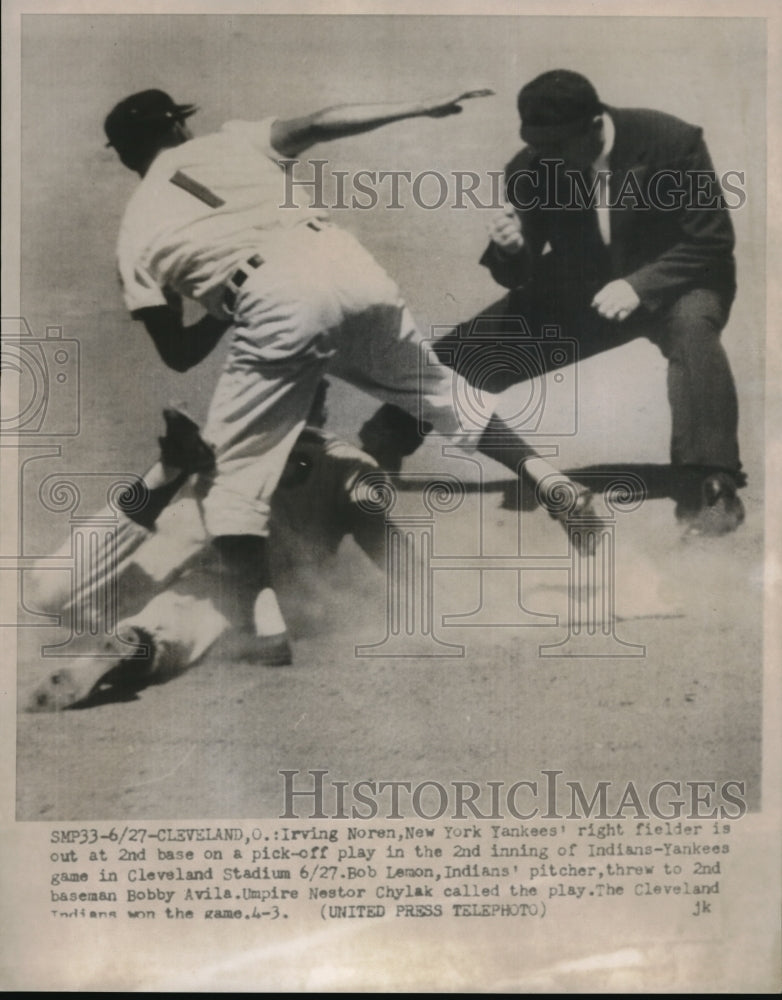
74	683
578	517
264	650
718	511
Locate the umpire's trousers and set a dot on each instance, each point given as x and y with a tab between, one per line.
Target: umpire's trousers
701	390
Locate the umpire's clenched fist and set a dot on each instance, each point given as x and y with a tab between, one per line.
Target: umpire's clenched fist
505	230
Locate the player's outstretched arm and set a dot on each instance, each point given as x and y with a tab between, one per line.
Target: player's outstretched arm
292	136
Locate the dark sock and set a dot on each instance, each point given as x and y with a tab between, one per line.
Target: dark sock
245	556
502	444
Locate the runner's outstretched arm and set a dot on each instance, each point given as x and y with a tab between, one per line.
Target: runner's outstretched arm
294	135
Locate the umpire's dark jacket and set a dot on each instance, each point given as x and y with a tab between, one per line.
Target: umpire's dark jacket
671	233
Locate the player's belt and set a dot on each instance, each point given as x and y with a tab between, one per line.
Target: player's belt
240	275
238	278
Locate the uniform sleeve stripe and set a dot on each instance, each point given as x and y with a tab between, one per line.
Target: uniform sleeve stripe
199	191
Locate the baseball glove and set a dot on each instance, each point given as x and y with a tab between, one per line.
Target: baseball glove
182	445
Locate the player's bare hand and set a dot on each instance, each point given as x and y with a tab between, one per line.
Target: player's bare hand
505	230
616	301
453	105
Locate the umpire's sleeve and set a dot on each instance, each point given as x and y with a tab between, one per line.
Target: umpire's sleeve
512	270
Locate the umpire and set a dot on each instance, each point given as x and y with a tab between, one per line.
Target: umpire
616	228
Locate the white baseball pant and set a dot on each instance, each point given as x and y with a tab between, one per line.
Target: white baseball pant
319	300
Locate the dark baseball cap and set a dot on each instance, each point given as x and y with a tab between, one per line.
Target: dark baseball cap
142	115
556	105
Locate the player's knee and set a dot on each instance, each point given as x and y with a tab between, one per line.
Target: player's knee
693	324
699	309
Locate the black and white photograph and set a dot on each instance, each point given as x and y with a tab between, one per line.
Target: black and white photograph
389	495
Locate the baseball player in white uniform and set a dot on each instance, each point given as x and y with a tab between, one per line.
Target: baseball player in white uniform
299	294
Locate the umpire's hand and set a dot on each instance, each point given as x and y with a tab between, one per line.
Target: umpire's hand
616	300
505	230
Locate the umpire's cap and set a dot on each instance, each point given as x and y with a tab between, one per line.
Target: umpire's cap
556	105
142	117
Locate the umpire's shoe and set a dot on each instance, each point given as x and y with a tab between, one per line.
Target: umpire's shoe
719	509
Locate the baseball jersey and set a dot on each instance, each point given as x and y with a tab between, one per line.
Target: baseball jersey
200	211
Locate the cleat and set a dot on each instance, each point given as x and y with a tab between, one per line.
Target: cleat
61	689
264	650
572	505
73	684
